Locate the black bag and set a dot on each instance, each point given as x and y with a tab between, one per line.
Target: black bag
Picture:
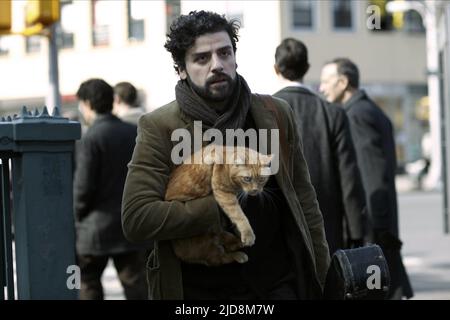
357	274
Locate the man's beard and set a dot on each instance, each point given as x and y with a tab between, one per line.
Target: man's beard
218	94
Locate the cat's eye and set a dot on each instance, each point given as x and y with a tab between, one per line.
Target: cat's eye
247	179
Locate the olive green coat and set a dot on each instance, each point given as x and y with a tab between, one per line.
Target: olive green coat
146	216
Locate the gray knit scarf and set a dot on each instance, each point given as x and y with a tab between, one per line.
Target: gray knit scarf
196	107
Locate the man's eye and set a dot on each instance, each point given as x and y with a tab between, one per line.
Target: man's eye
226	53
200	59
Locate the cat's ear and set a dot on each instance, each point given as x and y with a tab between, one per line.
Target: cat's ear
240	159
209	154
266	159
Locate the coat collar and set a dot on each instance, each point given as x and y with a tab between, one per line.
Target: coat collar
100	117
357	96
296	89
184	117
264	119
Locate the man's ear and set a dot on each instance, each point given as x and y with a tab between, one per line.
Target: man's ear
277	71
86	104
344	81
183	74
266	159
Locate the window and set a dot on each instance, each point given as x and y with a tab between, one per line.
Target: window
100	23
4	48
173	11
65	39
303	12
413	22
342	14
33	44
64	29
409	21
135	17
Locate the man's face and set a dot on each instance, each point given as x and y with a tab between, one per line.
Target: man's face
86	112
211	66
332	85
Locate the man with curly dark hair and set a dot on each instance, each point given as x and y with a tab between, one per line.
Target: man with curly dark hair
290	257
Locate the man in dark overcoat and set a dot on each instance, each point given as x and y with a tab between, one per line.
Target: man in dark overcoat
328	148
372	133
101	167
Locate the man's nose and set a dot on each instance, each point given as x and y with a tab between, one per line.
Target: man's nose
217	64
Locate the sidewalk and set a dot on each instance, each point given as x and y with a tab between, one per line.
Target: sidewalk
426	250
112	288
404	183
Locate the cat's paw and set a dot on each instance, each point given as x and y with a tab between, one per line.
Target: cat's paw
248	238
240	257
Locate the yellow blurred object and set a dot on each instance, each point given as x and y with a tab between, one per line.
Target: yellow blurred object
397	18
5	15
422	111
35	29
45	12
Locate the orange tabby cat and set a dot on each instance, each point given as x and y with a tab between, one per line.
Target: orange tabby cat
224	171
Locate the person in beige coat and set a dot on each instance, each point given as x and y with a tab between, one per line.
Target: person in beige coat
290	257
126	103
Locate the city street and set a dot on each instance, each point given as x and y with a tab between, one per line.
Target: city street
426	250
63	166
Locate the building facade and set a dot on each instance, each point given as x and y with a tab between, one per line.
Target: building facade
124	41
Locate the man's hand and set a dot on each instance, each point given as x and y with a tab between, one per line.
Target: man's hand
387	240
229	241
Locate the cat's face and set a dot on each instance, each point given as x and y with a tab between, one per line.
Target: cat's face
252	177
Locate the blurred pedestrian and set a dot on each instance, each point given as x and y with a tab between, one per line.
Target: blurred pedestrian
426	146
126	103
372	133
328	149
102	158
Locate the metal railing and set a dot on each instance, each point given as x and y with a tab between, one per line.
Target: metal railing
6	259
36	202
